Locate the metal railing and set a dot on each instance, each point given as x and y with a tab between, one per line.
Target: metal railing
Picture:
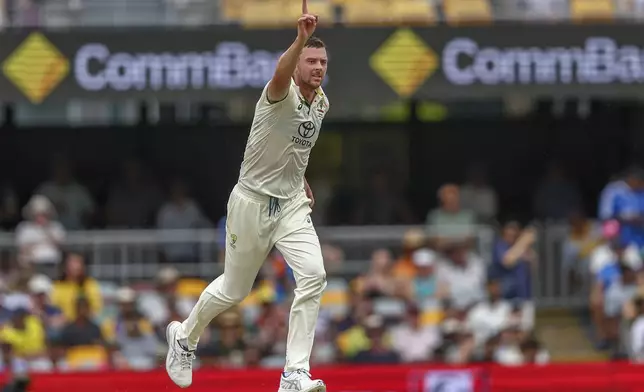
126	256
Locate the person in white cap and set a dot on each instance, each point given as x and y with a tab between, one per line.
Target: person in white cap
40	287
424	285
39	236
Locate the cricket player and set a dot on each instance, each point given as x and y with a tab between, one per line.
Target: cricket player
270	207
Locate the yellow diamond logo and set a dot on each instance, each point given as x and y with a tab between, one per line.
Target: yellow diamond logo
404	62
36	67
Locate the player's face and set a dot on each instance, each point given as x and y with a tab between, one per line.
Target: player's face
312	67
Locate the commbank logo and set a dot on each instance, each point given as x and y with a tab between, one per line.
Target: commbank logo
404	62
36	67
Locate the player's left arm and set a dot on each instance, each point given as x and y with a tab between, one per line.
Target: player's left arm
309	193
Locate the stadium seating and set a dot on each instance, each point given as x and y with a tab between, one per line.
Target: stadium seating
322	8
591	10
412	12
264	13
362	12
231	10
86	358
467	11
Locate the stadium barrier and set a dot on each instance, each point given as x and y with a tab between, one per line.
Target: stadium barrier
590	377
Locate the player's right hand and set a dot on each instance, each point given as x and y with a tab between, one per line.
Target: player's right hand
307	23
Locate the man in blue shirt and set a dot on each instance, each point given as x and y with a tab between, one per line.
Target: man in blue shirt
624	202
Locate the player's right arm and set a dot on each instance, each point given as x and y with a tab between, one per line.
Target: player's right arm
280	83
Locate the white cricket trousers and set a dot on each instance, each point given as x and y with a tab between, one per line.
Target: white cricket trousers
254	225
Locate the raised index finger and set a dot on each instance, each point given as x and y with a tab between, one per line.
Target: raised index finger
305	7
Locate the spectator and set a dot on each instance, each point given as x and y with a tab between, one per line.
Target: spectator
412	341
74	285
378	281
533	353
583	237
133	201
39	236
230	348
556	197
51	317
424	285
333	259
72	200
488	317
450	222
628	207
461	278
181	212
165	304
616	295
513	259
413	240
457	343
637	332
133	335
25	335
478	196
272	329
605	268
82	330
378	351
9	209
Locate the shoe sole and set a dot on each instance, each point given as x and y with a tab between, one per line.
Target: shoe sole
317	388
169	339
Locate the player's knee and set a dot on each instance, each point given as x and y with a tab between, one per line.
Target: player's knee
315	279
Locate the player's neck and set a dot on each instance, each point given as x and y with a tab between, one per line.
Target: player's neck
307	92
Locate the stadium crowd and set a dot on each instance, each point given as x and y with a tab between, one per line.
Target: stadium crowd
435	297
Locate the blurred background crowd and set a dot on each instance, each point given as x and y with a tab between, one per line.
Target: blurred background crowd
434	296
466	244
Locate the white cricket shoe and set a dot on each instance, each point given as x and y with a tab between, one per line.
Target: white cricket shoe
178	363
300	381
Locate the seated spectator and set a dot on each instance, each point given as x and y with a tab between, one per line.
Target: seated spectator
616	295
605	266
181	212
132	335
72	201
457	345
378	351
488	317
404	268
556	197
165	304
478	196
511	350
73	285
637	331
583	237
25	335
412	341
512	261
424	285
39	236
51	317
450	223
271	327
229	350
461	278
333	259
134	200
378	281
82	330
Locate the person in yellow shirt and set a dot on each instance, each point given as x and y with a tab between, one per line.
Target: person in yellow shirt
74	285
25	335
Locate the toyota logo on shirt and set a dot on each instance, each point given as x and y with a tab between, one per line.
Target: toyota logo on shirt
306	129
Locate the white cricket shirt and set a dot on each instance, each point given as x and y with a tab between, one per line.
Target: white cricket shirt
280	142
